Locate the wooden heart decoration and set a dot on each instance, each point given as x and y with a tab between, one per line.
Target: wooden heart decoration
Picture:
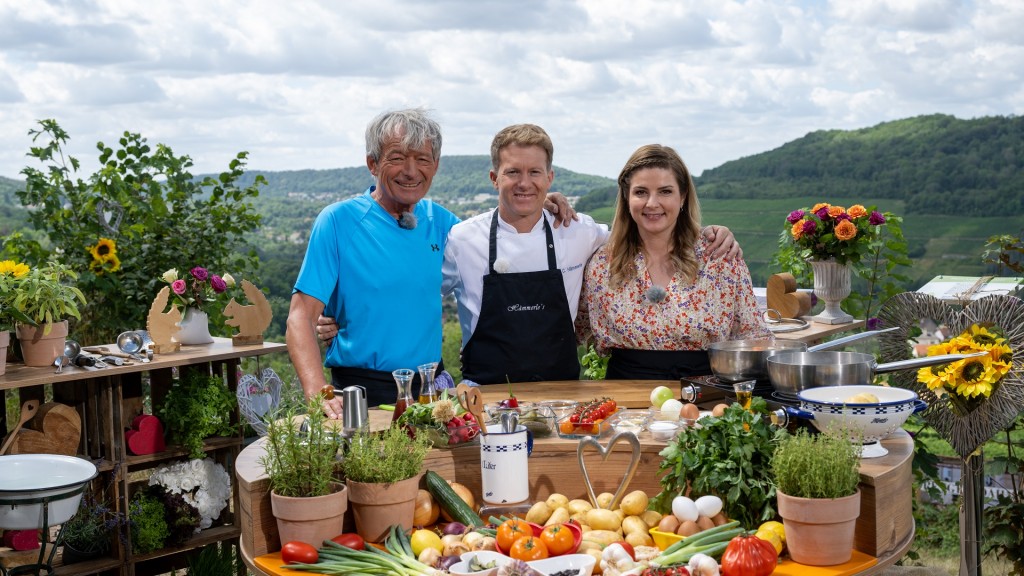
146	436
783	296
55	429
965	431
604	451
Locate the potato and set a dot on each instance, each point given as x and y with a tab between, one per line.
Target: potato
588	545
620	514
557	501
604	499
602	537
577	505
559	516
601	519
579	518
669	523
705	523
651	518
632	524
687	528
538	513
596	553
639	539
634	503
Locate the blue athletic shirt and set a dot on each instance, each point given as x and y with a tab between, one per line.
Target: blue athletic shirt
381	282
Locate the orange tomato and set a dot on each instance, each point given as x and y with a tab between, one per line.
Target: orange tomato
567	427
558	539
529	548
511	530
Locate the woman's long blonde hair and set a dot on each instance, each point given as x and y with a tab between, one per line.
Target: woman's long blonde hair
625	243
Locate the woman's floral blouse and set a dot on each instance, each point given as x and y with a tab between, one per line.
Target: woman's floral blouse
719	305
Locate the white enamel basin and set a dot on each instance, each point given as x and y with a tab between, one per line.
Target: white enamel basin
28	477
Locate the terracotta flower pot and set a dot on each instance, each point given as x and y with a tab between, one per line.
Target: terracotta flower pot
819	531
5	341
41	345
377	506
311	520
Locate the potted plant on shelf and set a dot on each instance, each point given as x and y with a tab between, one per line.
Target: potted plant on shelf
817	478
45	296
88	534
308	496
382	471
197	407
11	273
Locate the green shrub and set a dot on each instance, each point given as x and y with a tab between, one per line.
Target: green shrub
825	465
148	523
198	406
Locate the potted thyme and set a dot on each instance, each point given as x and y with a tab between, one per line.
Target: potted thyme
89	533
817	478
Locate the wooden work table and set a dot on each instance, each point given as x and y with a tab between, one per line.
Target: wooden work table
885	528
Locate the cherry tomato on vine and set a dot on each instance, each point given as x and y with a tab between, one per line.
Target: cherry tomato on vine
298	553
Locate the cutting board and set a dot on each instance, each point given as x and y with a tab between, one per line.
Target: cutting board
858	563
55	429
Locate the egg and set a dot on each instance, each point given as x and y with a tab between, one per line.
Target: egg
684	509
690	412
708	506
719	410
670	409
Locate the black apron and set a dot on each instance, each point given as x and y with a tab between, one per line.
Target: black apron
629	364
525	331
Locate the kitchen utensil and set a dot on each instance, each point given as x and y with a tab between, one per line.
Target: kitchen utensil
736	360
509	421
72	349
634	461
28	410
28	481
129	342
794	372
868	422
60	362
469	397
354	413
504	469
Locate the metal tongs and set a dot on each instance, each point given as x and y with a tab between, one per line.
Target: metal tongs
509	421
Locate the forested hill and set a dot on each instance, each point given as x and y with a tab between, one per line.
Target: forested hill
937	164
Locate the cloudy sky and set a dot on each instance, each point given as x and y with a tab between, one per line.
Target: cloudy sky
294	82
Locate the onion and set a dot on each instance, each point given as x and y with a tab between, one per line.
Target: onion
470	538
449	539
447	562
456	549
457	528
485	543
465	494
430	556
426	509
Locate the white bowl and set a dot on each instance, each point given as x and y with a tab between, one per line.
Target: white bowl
60	479
827	405
582	563
461	568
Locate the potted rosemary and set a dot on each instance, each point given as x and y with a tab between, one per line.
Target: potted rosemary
308	497
817	478
382	471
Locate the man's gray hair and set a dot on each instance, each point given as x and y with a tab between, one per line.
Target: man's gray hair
414	125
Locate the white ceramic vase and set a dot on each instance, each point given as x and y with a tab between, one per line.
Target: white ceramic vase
831	285
195	328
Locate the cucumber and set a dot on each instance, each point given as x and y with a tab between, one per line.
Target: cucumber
450	501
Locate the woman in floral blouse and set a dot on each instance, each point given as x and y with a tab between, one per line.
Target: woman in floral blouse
653	296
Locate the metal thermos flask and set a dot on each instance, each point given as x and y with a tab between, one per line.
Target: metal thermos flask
354	415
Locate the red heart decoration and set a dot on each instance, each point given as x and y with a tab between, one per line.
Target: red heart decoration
147	436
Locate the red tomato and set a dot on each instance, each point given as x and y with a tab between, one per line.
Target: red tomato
350	540
299	553
628	548
749	556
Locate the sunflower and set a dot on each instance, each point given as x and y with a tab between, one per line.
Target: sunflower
982	336
972	377
12	268
103	250
845	230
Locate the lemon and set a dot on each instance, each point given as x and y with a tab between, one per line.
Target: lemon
776	527
772	537
423	539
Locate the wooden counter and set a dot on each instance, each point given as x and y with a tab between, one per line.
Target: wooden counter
885	528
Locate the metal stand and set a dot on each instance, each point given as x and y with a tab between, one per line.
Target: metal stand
37	568
972	495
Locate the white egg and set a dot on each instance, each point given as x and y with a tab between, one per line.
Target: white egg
684	509
670	409
708	505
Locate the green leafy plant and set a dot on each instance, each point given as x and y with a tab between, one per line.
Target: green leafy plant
198	406
1005	251
595	366
148	522
729	456
213	560
91	528
11	274
182	518
45	294
385	457
825	465
1004	519
301	461
141	213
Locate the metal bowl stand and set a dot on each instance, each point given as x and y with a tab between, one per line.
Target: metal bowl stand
40	565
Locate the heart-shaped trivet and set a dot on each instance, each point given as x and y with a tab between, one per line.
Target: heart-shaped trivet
965	431
634	443
147	435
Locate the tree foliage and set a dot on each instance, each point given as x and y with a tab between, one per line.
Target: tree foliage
146	202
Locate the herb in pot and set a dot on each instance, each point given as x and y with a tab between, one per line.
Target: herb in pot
196	407
729	456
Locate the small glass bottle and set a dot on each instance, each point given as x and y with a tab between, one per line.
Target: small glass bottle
403	379
427	392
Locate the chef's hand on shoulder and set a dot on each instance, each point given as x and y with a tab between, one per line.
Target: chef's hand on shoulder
558	205
723	242
326	328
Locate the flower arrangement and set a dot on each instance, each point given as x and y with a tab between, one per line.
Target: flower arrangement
972	379
202	483
104	257
828	232
198	287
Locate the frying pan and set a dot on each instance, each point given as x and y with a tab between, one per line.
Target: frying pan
794	372
737	360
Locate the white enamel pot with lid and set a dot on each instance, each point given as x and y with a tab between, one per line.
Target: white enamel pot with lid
31	484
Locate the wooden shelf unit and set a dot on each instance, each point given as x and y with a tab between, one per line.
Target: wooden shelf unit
107	400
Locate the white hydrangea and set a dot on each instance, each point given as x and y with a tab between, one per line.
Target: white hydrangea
202	483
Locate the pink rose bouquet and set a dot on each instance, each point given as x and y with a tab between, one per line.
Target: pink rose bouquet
197	286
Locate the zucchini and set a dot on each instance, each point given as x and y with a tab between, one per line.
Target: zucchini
450	501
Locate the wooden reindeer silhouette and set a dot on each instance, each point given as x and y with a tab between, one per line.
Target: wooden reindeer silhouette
251	320
162	325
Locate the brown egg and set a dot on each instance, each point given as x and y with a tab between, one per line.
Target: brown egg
690	412
668	523
719	519
719	410
687	528
705	523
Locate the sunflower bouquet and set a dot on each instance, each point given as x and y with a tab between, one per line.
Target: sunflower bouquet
829	232
970	381
104	257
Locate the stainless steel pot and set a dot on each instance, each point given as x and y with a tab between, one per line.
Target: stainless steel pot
737	360
794	372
